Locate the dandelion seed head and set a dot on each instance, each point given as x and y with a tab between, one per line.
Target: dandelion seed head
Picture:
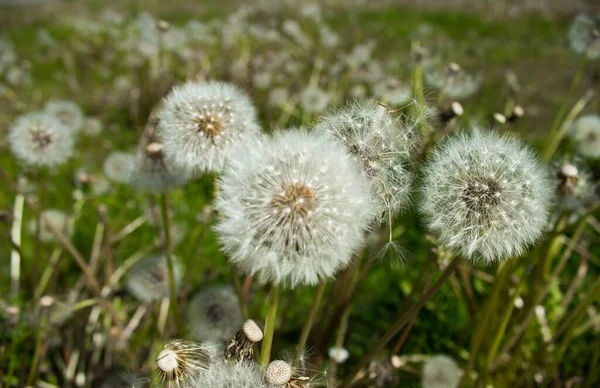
314	100
92	126
294	208
278	372
585	132
57	218
67	112
214	314
148	279
38	140
584	36
180	362
382	144
485	196
154	172
199	123
118	166
452	80
440	371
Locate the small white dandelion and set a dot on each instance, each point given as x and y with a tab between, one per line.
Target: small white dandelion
57	219
154	172
314	100
118	166
67	112
148	279
585	132
440	371
584	36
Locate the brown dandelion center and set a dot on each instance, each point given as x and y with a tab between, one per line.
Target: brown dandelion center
215	313
210	125
41	138
481	194
294	199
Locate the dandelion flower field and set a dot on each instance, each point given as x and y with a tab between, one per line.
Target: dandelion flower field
299	194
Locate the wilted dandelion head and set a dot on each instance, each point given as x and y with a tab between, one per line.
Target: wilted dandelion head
154	172
294	207
382	144
440	372
485	196
314	100
38	139
57	218
585	132
180	362
584	36
67	112
231	375
240	347
148	279
452	80
200	122
214	314
118	166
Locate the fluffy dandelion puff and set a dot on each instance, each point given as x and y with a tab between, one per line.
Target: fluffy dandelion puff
294	208
440	372
118	166
154	172
485	196
584	36
67	112
148	279
38	139
200	122
180	361
585	132
452	80
92	126
278	372
382	144
314	100
228	375
57	219
214	313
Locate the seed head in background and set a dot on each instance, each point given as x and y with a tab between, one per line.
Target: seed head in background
214	314
148	279
40	140
118	166
382	144
293	208
452	80
180	362
585	132
67	112
440	371
57	218
584	36
154	172
485	196
199	123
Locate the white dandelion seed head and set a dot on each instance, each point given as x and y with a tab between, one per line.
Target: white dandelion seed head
180	362
338	355
67	112
92	126
199	123
440	371
293	208
382	144
154	171
148	279
391	91
585	132
485	196
214	314
314	100
118	166
575	187
584	36
58	219
452	80
278	372
38	139
247	374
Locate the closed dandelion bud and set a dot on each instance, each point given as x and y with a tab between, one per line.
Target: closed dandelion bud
382	144
67	112
199	123
148	279
180	362
440	372
585	132
39	140
584	36
293	208
118	166
230	375
240	348
214	314
485	196
278	372
152	171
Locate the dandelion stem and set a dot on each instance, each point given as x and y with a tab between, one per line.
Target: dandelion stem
400	322
311	317
170	267
265	353
38	229
37	350
15	255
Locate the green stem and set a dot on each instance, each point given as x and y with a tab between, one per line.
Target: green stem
238	290
265	353
593	372
399	323
170	266
311	318
37	350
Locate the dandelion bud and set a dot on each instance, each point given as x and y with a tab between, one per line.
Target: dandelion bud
278	372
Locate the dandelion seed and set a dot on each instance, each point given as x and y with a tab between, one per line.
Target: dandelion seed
148	279
214	314
584	36
585	132
485	196
199	123
294	208
67	112
118	166
57	219
382	144
180	362
440	372
153	171
231	375
39	140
